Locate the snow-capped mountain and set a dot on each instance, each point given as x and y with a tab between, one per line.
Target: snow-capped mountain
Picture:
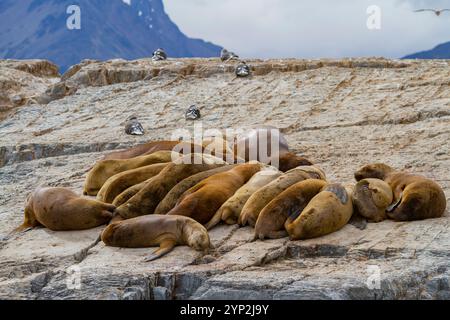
128	29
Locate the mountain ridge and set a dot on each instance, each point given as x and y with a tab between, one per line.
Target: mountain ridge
36	29
441	51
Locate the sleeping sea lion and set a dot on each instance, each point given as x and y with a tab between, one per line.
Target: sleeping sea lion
61	209
157	230
174	195
147	199
105	169
371	198
203	200
327	212
230	211
415	197
122	181
263	196
286	207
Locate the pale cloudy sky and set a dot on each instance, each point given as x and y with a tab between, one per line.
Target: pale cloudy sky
307	28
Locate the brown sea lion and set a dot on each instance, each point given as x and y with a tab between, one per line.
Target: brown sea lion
147	149
174	195
157	230
124	180
286	206
415	197
230	211
129	193
105	169
327	212
61	209
263	196
203	200
371	198
256	144
147	199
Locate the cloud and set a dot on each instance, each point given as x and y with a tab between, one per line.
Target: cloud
322	28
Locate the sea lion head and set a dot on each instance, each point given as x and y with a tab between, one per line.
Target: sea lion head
375	171
197	236
313	171
290	161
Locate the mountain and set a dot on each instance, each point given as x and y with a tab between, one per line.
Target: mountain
127	29
442	51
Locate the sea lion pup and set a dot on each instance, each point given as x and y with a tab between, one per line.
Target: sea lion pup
230	211
105	169
124	180
203	200
415	197
371	198
174	195
263	196
61	209
157	230
327	212
256	144
147	199
286	206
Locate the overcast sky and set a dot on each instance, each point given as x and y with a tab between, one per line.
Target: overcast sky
307	28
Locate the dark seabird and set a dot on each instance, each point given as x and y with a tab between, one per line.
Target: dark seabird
133	127
242	70
193	113
159	55
226	55
436	12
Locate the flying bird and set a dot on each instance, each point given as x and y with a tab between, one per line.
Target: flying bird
436	12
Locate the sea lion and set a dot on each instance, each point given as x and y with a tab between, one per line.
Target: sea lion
174	195
230	211
263	196
124	180
256	144
371	198
327	212
157	230
203	200
61	209
415	197
129	193
105	169
149	148
147	199
286	206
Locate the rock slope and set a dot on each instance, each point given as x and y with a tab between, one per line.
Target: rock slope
339	113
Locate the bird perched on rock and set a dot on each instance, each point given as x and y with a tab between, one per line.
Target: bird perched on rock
226	55
159	55
436	11
242	70
133	127
193	113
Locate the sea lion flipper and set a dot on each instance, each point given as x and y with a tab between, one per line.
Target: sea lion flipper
393	206
358	222
164	248
274	235
215	220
